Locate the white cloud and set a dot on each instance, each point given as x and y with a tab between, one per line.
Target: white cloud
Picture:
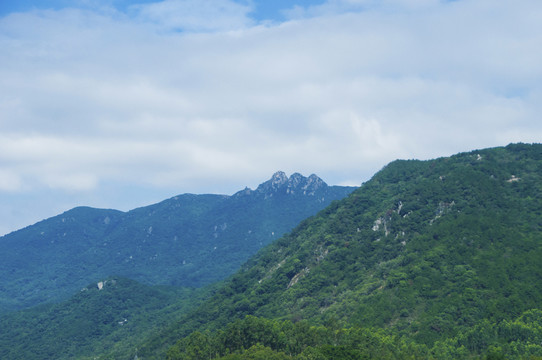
99	97
9	180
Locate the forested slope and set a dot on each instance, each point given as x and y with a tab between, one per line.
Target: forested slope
437	259
114	313
443	256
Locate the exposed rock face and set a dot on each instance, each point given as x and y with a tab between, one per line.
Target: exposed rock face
296	179
277	181
312	184
281	183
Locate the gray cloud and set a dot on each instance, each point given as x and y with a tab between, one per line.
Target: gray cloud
93	98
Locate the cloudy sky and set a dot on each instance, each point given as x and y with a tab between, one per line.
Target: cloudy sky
119	104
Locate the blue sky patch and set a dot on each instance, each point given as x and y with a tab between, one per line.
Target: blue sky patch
263	9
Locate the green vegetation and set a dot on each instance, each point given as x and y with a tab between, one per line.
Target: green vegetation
435	259
113	318
427	250
256	338
188	240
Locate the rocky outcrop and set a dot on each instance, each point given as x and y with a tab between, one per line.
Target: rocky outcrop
280	183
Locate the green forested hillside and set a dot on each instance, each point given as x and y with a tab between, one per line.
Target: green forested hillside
438	259
443	256
188	240
111	314
258	338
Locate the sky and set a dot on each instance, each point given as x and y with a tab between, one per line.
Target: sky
121	104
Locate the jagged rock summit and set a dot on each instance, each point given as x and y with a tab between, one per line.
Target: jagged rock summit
280	183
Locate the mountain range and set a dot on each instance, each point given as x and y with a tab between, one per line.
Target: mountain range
188	240
436	259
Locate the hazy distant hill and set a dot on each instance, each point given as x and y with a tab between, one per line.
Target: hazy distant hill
188	240
436	259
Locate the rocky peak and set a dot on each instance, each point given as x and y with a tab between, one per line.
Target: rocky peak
281	183
278	179
295	180
313	183
295	184
272	185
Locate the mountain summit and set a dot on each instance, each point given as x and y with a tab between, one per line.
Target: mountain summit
296	184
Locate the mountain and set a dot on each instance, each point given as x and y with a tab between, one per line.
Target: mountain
188	240
428	259
93	321
435	259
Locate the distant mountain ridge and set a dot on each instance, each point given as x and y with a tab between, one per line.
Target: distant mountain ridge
187	240
296	183
280	183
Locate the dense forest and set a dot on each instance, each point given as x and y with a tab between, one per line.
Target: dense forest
440	256
437	259
115	313
257	338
